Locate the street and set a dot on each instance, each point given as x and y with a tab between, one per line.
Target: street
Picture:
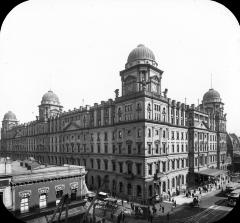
212	207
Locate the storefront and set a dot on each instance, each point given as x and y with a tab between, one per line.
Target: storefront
24	200
211	178
43	194
59	192
74	188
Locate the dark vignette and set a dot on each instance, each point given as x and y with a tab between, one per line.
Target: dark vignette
7	5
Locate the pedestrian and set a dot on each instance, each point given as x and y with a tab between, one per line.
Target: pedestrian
162	209
103	220
151	218
168	216
112	216
123	217
175	203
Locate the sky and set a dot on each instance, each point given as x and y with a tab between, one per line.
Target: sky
77	48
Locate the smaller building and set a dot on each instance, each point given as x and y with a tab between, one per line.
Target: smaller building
30	192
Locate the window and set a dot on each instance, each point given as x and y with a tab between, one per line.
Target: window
177	135
177	148
59	195
114	149
164	134
106	164
91	148
139	191
173	164
129	168
164	166
105	136
173	182
139	148
129	148
99	149
120	187
24	206
182	148
149	148
182	135
182	163
120	167
178	164
157	148
99	164
164	147
173	148
156	132
149	132
92	163
106	148
120	148
139	133
150	169
139	166
172	135
120	134
129	189
43	200
113	165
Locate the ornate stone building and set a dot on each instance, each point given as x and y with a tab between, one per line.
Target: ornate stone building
144	141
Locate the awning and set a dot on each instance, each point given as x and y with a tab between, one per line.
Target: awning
212	172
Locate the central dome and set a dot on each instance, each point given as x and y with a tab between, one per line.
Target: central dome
50	98
141	52
9	116
211	96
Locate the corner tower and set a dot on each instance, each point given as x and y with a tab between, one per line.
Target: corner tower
141	72
9	120
50	106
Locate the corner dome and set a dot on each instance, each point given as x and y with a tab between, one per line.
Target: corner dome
141	54
9	116
50	98
211	96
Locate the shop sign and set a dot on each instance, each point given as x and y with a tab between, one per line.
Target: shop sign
25	193
60	187
74	185
43	190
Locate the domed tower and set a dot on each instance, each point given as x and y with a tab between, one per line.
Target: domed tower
141	72
50	106
213	105
9	120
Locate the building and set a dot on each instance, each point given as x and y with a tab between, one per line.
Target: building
31	192
233	146
145	142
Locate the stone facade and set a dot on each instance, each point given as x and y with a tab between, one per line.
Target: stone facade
145	142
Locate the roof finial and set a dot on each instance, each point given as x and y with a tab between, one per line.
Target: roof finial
211	81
